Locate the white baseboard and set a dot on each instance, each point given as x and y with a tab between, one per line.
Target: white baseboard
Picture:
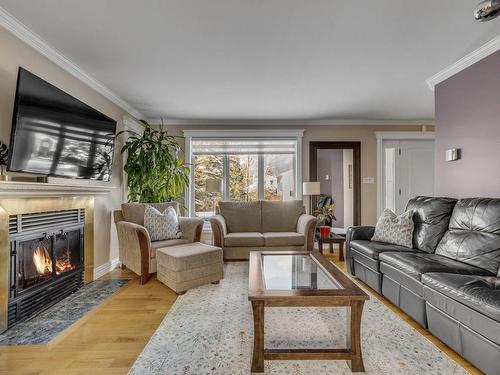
105	268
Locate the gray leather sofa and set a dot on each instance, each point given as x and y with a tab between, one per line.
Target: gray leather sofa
449	281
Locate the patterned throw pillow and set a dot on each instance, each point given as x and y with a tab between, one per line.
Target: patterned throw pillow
397	230
161	226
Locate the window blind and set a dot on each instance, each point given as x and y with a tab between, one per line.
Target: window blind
235	146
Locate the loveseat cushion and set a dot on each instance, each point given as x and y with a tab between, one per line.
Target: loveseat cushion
480	293
473	236
283	239
134	212
416	264
242	216
431	217
373	249
244	239
281	216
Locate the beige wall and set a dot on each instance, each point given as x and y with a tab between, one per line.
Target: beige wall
15	53
362	133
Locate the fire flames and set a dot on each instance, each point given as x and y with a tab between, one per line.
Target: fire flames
43	262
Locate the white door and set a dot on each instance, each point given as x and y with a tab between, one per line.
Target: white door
407	171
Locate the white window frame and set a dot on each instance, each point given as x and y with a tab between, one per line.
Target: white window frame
190	135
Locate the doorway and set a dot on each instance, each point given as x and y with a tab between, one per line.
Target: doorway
336	166
406	170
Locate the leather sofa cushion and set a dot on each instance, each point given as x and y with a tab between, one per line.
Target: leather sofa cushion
474	234
134	212
480	293
416	264
242	216
373	249
281	216
283	239
165	243
431	217
244	239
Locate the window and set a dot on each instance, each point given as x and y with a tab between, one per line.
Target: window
241	169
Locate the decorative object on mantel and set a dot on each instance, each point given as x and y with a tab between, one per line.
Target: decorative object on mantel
4	153
155	172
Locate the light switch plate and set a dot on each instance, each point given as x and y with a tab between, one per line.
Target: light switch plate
368	180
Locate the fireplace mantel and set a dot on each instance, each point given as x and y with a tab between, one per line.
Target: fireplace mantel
38	189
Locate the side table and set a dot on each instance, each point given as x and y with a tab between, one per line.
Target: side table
331	239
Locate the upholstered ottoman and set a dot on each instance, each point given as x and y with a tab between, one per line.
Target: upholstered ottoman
186	266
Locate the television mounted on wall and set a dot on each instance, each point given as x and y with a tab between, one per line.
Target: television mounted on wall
55	134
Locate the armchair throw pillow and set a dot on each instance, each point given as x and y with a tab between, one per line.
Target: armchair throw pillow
161	225
393	229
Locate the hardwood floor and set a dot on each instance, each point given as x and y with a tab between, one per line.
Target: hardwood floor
109	338
105	341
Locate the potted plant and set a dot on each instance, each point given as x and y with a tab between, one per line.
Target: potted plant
155	172
325	219
4	152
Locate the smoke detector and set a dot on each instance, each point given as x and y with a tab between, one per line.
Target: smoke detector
487	10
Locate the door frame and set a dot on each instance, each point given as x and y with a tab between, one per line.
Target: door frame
393	136
356	169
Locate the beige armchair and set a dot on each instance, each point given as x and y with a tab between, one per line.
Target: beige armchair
136	250
241	227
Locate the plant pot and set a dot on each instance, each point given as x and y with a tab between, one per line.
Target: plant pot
324	231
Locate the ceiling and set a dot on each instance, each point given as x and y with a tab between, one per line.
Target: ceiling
263	60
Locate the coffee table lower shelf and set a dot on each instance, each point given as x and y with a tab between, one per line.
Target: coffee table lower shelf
351	353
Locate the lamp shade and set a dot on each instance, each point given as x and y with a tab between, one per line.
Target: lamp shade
213	185
311	188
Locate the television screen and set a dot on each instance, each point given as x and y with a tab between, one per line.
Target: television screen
56	134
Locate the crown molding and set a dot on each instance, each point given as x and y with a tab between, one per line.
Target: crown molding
15	27
484	51
326	122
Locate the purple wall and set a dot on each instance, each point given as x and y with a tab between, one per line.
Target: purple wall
468	117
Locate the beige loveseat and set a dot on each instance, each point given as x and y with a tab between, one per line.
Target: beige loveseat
241	227
137	251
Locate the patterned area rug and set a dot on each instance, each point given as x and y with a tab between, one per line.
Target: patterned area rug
209	330
42	328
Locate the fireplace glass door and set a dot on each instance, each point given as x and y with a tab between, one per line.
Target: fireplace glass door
34	262
67	252
44	258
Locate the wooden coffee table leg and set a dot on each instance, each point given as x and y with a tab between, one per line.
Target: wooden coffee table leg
341	251
353	340
320	246
331	247
258	336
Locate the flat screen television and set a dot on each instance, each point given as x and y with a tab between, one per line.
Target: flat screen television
55	134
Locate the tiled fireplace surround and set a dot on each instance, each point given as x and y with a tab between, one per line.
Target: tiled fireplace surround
14	202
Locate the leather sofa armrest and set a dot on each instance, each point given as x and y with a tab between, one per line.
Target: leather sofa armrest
219	229
191	228
356	233
134	246
306	225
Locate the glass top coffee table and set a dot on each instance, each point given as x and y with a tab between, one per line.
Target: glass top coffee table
304	279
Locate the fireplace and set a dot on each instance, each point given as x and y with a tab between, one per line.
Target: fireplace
46	260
